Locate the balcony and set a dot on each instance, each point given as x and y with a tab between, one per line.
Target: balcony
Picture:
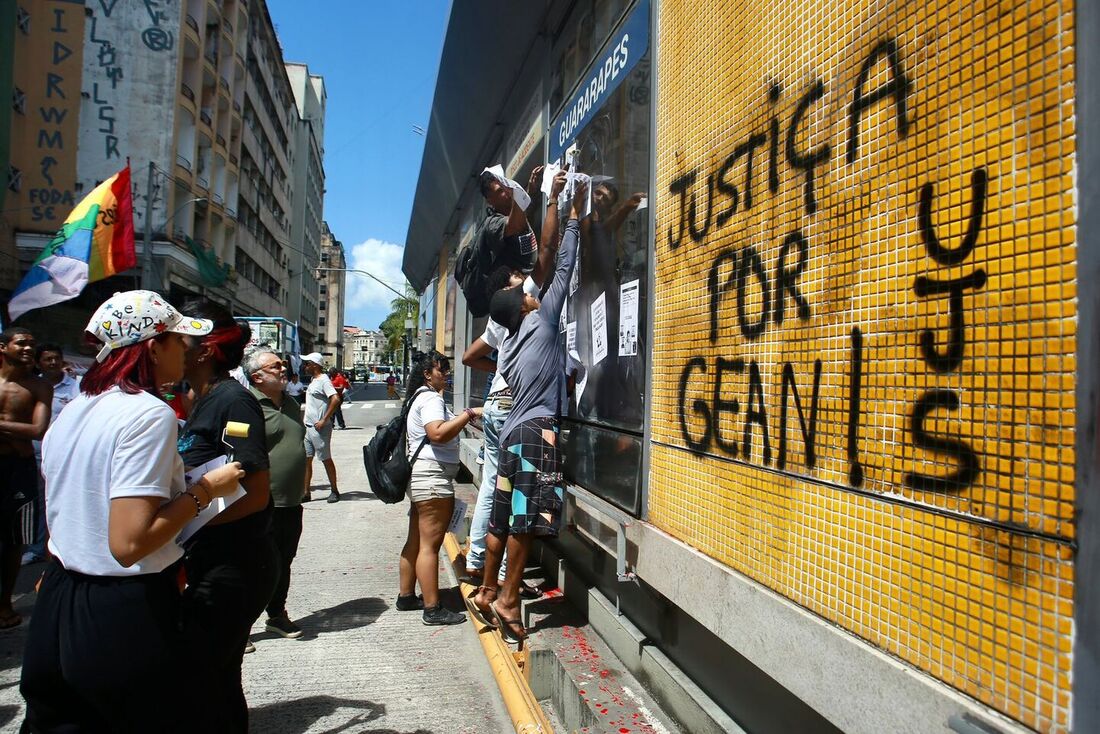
220	140
187	92
227	27
204	115
218	199
237	107
233	159
225	83
193	23
183	162
231	213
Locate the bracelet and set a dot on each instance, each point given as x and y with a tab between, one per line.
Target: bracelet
205	485
198	505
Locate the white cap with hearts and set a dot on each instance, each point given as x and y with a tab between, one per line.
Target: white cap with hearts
133	316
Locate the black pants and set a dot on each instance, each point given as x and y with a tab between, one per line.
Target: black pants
231	573
286	526
105	654
338	416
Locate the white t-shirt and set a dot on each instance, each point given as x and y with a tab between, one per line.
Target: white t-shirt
294	389
495	334
428	407
318	392
104	447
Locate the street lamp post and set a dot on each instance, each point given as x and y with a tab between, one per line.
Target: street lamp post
407	336
147	254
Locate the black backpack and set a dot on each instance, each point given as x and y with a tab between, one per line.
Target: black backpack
388	468
472	268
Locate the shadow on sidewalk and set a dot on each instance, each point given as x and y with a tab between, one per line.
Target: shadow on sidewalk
298	715
344	616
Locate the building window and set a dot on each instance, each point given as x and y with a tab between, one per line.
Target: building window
23	20
18	101
321	321
606	421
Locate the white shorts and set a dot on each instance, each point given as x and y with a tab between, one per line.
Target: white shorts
431	480
319	443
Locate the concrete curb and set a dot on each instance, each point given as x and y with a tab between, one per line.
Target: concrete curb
509	669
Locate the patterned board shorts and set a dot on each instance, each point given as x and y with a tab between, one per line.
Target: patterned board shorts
529	491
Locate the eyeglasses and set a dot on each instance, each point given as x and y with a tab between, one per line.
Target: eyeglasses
276	367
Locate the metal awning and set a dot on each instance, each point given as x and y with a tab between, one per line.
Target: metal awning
486	44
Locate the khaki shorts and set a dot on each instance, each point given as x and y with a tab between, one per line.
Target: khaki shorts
431	480
319	443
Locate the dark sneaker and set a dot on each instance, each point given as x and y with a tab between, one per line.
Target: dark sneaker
283	627
440	614
334	496
409	602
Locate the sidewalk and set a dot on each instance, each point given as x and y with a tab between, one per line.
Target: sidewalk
361	666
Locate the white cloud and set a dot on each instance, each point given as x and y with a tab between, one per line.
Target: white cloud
382	260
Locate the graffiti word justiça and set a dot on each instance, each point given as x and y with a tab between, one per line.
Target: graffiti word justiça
744	291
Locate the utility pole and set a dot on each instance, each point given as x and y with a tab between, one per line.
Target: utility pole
147	251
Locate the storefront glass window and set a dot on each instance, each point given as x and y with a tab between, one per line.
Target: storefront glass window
605	325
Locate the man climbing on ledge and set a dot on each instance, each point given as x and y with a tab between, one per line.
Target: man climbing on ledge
528	498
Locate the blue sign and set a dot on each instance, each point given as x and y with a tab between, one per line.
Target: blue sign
614	62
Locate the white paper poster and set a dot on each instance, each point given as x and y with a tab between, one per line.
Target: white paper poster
599	330
628	319
216	506
571	337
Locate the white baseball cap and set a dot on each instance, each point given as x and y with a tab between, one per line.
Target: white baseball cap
314	357
133	316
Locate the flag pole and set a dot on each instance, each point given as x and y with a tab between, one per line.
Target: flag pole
147	252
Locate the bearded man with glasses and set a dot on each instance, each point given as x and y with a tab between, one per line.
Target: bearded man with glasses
285	434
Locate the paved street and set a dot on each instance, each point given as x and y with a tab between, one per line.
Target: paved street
361	666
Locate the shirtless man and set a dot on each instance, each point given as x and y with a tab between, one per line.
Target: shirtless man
25	402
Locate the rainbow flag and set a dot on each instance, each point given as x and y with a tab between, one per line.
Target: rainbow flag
95	242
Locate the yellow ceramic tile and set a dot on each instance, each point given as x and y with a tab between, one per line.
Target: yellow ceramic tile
889	504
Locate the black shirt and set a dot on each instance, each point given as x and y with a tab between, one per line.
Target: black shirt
201	440
519	251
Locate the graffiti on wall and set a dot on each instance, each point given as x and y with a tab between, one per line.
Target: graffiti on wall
52	88
864	326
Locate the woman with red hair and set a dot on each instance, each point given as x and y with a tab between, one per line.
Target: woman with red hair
232	565
106	623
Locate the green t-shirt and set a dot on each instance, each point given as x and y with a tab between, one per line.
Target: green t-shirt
285	449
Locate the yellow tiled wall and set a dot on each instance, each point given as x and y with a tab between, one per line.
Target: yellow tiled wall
898	150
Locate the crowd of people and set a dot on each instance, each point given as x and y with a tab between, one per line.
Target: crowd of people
172	492
521	493
143	577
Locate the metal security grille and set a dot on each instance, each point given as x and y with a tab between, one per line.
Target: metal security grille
865	323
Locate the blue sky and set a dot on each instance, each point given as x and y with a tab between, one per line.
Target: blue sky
379	59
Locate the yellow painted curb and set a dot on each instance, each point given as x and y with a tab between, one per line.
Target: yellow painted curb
527	716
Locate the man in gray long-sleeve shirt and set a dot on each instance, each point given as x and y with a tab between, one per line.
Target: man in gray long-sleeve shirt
529	491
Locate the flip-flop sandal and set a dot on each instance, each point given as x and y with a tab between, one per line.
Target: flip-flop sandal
481	615
507	631
529	591
10	621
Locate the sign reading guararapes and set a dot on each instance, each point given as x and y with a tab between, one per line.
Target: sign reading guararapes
613	64
865	323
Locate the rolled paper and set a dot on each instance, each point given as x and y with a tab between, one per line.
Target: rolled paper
236	429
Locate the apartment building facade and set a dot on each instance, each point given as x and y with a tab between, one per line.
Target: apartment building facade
196	96
331	292
308	186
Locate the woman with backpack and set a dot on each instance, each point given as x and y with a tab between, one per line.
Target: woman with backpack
431	432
